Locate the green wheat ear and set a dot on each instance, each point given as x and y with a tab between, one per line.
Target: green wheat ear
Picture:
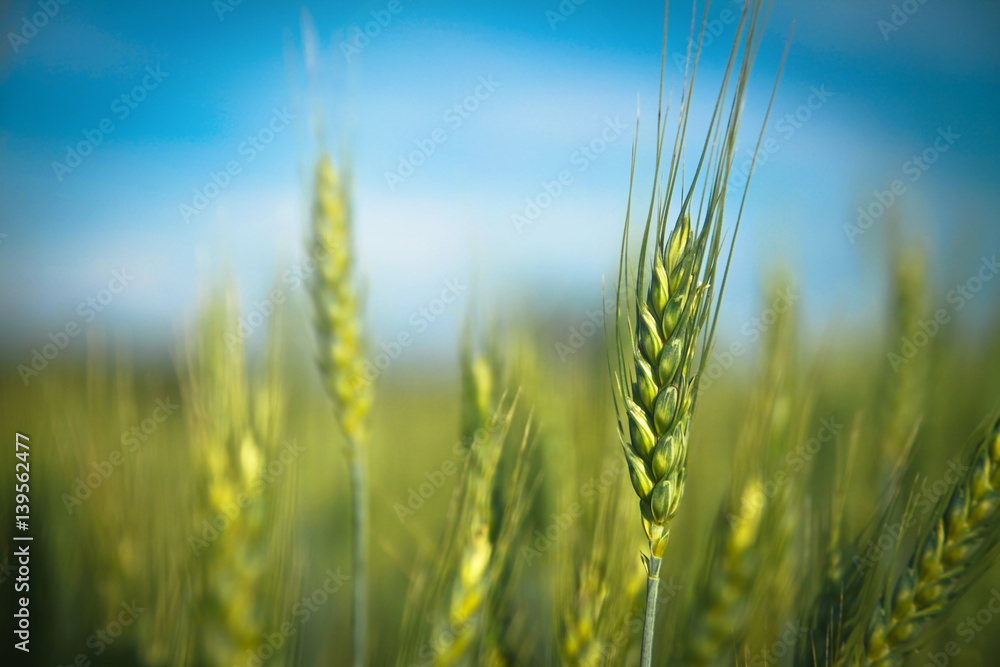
667	304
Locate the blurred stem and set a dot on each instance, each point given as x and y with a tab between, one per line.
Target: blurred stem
359	490
649	625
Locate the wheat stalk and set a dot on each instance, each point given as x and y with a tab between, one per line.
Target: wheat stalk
593	614
471	587
337	314
959	545
234	429
674	296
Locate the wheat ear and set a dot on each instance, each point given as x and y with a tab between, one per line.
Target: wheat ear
233	432
959	545
673	296
337	315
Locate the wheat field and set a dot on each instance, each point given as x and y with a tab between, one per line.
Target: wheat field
640	486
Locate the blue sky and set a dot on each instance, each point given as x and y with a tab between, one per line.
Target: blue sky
554	87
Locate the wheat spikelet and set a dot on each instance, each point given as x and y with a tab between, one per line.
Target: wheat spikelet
960	543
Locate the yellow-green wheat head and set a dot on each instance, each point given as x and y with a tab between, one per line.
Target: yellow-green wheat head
663	307
337	305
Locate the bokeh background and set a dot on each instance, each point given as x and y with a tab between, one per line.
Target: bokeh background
174	143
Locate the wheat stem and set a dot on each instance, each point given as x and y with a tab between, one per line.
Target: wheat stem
341	361
359	528
649	623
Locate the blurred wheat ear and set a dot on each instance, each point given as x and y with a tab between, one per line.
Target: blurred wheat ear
749	564
340	358
958	546
235	427
671	298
